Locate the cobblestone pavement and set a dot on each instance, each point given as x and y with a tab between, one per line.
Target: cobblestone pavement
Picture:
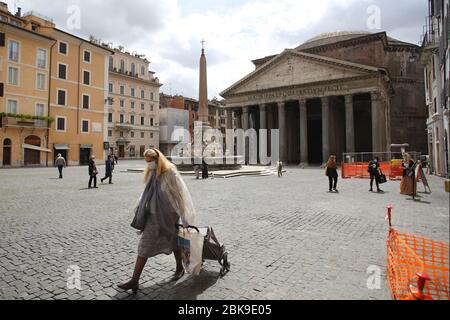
287	238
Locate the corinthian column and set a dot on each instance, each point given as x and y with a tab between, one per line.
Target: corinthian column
376	132
325	128
282	128
303	133
349	123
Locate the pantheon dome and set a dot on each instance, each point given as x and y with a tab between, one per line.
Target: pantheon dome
339	36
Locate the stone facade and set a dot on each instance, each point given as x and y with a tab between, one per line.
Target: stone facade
435	58
339	92
133	107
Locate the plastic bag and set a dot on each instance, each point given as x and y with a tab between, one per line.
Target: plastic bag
191	241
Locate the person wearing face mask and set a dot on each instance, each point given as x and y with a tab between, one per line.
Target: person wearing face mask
165	202
374	171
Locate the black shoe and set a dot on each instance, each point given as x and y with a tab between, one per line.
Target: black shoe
95	187
379	190
111	183
134	286
89	187
371	190
177	276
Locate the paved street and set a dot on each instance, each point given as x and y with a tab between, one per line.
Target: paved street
287	238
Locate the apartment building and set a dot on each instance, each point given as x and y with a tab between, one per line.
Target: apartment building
60	76
133	105
24	82
435	57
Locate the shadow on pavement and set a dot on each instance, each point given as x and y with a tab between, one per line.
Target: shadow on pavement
189	289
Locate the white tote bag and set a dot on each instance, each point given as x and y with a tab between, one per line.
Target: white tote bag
191	243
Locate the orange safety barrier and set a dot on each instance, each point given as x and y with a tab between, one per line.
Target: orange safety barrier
359	170
418	267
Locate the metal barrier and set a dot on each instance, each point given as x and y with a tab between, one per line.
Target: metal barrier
355	165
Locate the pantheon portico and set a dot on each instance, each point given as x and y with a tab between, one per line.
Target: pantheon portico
325	98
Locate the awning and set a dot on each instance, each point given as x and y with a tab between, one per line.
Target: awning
61	147
31	147
86	146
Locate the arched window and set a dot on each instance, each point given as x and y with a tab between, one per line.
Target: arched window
143	70
122	66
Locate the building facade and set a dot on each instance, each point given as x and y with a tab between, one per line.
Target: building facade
435	57
217	115
133	105
65	79
24	82
338	92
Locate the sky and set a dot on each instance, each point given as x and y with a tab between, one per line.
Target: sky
169	32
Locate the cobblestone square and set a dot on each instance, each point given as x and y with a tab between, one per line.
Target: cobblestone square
287	238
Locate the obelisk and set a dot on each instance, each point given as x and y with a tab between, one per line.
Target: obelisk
203	91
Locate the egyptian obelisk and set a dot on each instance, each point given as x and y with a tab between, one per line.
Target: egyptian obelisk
203	91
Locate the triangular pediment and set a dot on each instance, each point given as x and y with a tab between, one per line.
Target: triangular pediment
292	68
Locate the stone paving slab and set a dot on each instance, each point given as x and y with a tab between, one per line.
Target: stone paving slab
287	238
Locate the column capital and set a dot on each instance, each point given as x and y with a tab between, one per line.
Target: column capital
281	104
262	106
375	95
325	100
348	98
302	101
246	109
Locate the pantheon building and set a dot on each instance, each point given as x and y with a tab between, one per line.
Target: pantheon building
337	93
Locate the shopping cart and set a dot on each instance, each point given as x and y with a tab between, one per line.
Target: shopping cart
212	248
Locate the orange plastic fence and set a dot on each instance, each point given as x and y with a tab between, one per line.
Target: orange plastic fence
359	170
409	255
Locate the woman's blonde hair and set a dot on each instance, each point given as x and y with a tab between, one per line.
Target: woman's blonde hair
162	164
407	157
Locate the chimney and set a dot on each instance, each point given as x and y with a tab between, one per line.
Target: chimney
19	12
3	7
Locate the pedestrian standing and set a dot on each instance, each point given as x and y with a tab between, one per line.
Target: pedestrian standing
205	173
375	173
280	169
60	162
332	173
109	168
92	173
116	159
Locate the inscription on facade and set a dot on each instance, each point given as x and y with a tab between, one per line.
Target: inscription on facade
316	91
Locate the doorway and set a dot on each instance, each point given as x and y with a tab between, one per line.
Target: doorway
314	112
122	152
85	154
32	157
7	145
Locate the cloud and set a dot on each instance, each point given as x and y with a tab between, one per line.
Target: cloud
236	31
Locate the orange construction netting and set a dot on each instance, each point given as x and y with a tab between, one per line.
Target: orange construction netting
359	170
409	255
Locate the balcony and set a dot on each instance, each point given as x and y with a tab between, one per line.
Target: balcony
12	122
123	126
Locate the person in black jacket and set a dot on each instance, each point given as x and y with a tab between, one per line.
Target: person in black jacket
109	167
331	173
92	173
374	170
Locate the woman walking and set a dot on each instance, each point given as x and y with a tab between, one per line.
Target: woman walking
331	173
164	202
